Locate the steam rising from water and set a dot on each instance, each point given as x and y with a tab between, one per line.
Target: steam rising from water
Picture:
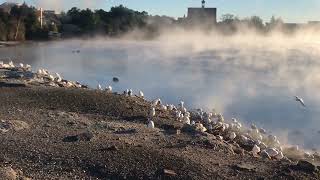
247	76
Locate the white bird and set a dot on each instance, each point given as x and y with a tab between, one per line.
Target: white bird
156	102
99	87
28	66
151	125
40	72
126	92
21	65
51	78
152	112
201	128
45	72
109	88
11	64
164	108
232	136
58	77
187	120
184	110
181	105
256	149
300	100
130	92
141	94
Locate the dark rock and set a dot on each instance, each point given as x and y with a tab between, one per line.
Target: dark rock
239	151
86	136
306	166
71	139
5	84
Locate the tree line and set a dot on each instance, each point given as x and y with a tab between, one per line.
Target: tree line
22	23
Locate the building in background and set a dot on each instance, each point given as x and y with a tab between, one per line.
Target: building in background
200	17
206	16
48	17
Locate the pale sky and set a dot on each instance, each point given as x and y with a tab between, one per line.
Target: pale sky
289	10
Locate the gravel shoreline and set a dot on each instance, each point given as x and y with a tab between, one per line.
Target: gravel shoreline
52	128
61	133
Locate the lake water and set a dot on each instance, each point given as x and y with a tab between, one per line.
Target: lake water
254	80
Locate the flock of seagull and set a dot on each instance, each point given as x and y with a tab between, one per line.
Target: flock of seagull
260	142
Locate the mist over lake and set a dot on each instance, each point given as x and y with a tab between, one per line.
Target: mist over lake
253	79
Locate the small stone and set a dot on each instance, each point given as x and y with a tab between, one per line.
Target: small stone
169	172
239	151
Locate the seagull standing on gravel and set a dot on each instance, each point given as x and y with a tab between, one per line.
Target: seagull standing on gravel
152	112
58	77
126	92
300	100
130	92
256	149
232	136
141	94
109	89
11	64
99	87
181	105
151	124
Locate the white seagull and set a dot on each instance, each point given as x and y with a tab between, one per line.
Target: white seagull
130	92
151	125
300	100
141	94
99	87
109	88
152	112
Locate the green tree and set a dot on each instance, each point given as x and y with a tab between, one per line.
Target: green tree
3	31
256	22
229	18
